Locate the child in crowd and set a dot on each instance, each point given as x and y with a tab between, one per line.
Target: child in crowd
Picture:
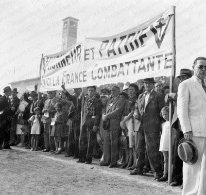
35	129
164	141
23	116
60	121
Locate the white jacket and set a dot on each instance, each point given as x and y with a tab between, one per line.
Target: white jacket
191	107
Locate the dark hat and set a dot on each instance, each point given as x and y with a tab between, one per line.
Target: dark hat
185	72
94	87
105	91
14	90
187	151
33	94
51	92
7	89
149	80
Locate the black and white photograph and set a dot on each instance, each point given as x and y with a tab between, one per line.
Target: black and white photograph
103	97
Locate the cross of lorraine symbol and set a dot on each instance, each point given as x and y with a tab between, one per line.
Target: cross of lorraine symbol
159	29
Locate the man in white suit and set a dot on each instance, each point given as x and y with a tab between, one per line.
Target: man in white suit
191	111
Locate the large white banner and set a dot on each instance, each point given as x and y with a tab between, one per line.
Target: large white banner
63	69
141	52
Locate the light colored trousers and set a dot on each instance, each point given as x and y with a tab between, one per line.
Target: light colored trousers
194	176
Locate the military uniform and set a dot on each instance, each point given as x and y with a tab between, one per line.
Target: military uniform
90	117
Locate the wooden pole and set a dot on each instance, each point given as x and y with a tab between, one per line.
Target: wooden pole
170	166
40	67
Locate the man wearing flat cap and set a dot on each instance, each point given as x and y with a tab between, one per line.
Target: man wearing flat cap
150	104
5	118
112	117
191	109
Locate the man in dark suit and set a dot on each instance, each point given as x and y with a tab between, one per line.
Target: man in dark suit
73	137
150	104
5	118
14	106
112	132
91	115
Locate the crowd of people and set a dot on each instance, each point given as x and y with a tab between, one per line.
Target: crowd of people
126	129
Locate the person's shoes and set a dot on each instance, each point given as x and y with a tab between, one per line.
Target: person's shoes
75	156
88	162
19	145
68	155
163	178
157	176
176	183
81	161
59	151
112	165
130	168
123	166
45	150
7	147
136	172
103	164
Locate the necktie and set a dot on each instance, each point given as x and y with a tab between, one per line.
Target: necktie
203	85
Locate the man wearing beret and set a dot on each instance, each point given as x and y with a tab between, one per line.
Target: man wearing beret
191	109
5	118
150	104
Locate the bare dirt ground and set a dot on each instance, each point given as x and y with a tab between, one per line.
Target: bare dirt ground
26	172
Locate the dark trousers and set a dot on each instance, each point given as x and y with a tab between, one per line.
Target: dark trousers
76	138
86	143
4	136
70	142
111	146
149	142
46	136
13	138
177	162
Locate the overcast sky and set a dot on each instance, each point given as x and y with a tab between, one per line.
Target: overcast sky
32	27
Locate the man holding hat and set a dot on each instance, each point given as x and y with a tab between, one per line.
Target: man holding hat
150	104
5	118
191	111
14	106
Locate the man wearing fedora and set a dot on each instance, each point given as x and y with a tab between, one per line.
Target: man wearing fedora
5	118
14	106
176	130
191	109
150	104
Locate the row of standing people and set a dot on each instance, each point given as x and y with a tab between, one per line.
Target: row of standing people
127	126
